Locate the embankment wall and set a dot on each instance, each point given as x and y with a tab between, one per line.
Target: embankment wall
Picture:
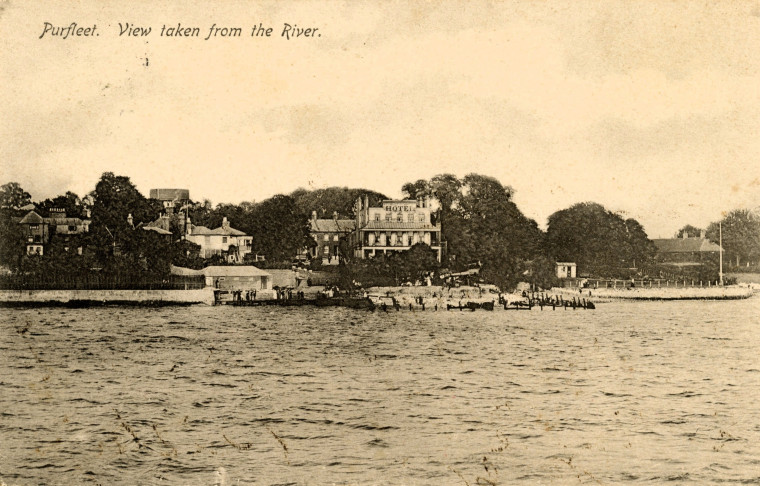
20	297
688	293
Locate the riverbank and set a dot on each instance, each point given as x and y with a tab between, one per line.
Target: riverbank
662	293
89	298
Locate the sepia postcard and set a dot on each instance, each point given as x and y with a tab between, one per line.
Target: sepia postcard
398	242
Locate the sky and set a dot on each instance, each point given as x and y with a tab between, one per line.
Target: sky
650	108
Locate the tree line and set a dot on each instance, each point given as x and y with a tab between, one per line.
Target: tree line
481	228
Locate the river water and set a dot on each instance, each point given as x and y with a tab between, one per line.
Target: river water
644	392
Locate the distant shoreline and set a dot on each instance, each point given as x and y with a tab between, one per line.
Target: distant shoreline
660	293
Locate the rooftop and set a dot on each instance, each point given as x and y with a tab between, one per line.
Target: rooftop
685	245
395	225
220	231
222	271
332	225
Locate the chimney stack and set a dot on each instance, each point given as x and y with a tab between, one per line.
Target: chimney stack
702	234
335	215
225	223
313	215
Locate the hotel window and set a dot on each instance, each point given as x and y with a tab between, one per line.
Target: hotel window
422	218
411	218
336	238
377	216
224	239
326	237
400	217
327	250
388	216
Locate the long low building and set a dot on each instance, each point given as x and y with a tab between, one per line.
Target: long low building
231	277
686	251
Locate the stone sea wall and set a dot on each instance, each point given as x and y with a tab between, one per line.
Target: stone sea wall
94	297
662	293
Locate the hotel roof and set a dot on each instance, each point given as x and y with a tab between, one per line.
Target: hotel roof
395	225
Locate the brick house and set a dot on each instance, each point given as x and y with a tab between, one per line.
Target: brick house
327	233
38	230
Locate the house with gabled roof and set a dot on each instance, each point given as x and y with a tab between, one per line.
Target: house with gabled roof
327	233
687	251
226	241
38	229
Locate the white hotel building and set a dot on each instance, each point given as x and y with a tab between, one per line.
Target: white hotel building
395	226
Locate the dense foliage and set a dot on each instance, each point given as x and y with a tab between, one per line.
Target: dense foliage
741	237
481	227
690	231
331	200
12	196
601	242
411	266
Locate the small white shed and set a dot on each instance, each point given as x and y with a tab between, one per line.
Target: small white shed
565	270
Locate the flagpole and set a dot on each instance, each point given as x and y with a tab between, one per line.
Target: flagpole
720	244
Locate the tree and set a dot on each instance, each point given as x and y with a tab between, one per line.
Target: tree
542	272
481	225
415	263
69	202
445	189
599	241
689	230
331	200
414	190
741	236
12	196
639	249
115	198
12	242
200	212
279	230
487	227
